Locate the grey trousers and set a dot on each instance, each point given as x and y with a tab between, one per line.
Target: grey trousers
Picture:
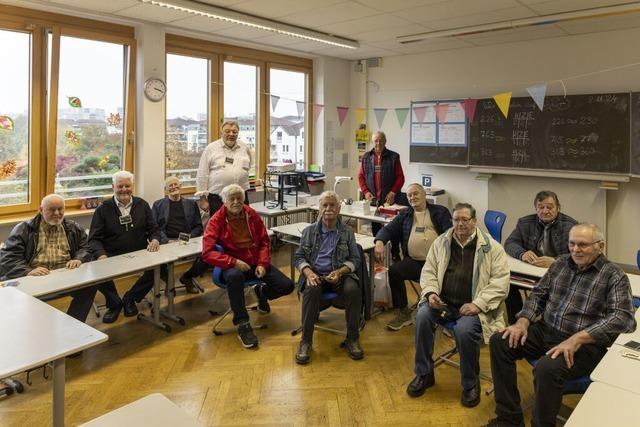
349	295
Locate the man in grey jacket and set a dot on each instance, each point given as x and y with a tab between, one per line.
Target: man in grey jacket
48	242
327	259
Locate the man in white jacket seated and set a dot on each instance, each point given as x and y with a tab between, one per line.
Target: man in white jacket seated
465	278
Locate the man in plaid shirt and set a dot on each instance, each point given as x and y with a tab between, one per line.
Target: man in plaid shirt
570	318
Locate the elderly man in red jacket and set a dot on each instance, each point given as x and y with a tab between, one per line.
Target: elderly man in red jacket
243	236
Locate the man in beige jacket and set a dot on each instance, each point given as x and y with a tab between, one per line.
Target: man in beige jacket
464	279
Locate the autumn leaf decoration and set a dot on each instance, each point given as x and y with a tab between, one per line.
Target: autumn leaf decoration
72	137
6	123
114	119
74	101
102	164
7	169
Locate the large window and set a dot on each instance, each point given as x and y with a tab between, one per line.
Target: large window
187	115
15	109
288	93
240	103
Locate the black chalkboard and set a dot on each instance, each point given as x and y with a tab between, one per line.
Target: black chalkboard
576	133
635	133
436	155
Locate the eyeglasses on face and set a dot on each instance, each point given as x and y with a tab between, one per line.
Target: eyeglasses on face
462	220
582	245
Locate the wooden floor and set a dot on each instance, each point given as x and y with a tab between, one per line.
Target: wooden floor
220	383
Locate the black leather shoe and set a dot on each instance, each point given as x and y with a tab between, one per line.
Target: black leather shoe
495	422
471	398
354	349
420	383
111	315
189	285
130	308
304	353
263	303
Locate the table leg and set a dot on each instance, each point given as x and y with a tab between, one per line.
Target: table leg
58	392
169	313
155	319
372	275
293	268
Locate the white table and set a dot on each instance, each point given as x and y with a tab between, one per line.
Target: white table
633	336
529	272
34	333
604	405
618	371
153	410
270	215
345	210
293	232
62	281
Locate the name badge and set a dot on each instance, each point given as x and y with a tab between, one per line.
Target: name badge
228	160
125	220
377	168
183	238
420	229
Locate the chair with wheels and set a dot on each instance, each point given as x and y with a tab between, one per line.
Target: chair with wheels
494	221
218	279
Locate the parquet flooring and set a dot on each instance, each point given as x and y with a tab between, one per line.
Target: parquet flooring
222	384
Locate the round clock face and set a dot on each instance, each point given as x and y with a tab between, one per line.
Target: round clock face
155	89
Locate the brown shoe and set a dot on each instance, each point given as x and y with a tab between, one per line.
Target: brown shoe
354	349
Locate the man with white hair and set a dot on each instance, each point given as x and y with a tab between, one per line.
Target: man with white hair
177	215
246	256
123	223
224	162
48	242
570	318
328	259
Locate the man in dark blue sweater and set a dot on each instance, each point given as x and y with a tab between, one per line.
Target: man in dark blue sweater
122	224
418	226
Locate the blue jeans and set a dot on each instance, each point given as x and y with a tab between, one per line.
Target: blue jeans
468	336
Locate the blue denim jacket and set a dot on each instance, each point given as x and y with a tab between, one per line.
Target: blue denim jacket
345	253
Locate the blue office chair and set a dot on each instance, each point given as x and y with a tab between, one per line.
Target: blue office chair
574	386
446	357
494	221
218	279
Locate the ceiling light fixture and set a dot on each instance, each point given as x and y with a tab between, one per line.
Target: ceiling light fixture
597	12
234	17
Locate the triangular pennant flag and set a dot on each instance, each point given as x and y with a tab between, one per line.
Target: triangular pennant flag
274	102
360	115
401	114
469	107
503	100
317	109
441	112
538	92
420	112
342	114
300	107
380	113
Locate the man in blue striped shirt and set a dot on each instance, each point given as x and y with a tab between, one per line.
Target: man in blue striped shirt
583	301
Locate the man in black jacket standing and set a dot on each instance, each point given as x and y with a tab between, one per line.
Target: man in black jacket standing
122	224
418	227
49	242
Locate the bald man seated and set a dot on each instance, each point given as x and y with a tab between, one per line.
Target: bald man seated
48	242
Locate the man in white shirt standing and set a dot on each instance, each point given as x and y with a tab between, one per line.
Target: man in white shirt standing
225	161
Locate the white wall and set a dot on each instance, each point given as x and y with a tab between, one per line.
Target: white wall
484	71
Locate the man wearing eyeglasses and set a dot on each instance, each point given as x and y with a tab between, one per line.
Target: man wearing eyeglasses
224	162
583	302
464	279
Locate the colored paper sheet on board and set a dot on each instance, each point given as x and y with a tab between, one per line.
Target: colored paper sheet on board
342	114
317	109
361	113
538	93
469	107
300	107
274	102
503	100
401	114
441	112
380	113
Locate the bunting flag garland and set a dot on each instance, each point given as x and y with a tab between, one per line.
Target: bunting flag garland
380	113
401	114
317	109
469	107
114	120
274	102
342	114
503	100
361	113
6	123
441	112
8	168
300	107
420	113
538	93
72	137
74	101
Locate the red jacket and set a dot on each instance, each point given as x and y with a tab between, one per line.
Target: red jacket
219	231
